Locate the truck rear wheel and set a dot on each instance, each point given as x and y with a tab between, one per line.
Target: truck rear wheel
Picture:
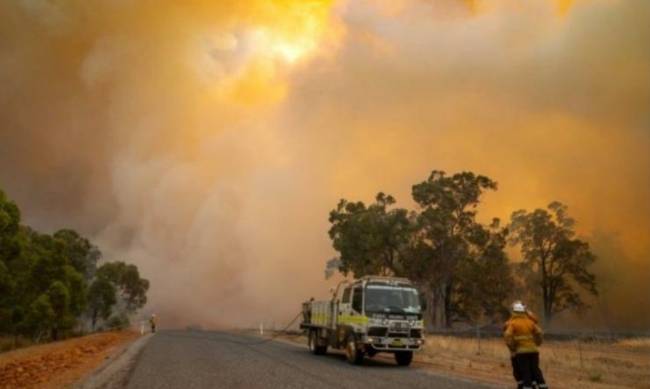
313	343
352	352
403	358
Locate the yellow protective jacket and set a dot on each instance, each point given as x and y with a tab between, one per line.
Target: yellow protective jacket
522	334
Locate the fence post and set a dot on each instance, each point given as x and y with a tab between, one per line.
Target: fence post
582	366
478	339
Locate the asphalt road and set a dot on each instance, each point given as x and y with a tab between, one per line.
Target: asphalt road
202	359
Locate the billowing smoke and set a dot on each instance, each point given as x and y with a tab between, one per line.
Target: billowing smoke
206	142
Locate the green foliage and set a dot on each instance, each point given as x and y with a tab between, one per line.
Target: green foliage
596	377
13	342
483	279
451	247
459	263
5	280
116	281
9	249
77	288
118	322
59	298
553	258
39	317
82	254
102	296
372	239
126	279
48	283
9	222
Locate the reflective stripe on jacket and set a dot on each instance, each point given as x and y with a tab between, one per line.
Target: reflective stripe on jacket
522	334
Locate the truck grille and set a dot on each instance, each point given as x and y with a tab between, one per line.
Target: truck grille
416	333
399	327
377	331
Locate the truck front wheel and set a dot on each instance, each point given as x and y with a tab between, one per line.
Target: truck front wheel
352	352
403	358
313	343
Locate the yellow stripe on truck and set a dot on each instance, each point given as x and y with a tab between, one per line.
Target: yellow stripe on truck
353	319
320	319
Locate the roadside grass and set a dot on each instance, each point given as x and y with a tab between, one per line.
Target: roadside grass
8	343
11	342
566	364
569	364
640	343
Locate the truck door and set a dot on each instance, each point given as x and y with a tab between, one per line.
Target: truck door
344	306
357	301
343	313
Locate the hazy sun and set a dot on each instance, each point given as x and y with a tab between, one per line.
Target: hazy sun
249	64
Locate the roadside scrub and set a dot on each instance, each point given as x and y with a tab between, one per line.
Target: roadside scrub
566	364
570	364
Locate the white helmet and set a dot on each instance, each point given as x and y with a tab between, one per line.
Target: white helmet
518	307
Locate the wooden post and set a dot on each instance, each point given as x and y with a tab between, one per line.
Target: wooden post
478	339
582	366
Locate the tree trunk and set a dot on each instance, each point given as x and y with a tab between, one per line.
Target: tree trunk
548	307
448	290
439	308
94	319
428	312
546	297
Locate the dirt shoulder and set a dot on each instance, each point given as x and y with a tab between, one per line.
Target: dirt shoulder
567	364
60	364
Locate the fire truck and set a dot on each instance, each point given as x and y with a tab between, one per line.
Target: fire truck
367	316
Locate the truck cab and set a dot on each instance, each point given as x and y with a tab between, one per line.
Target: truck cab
365	317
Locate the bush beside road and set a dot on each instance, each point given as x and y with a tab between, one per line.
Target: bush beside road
566	364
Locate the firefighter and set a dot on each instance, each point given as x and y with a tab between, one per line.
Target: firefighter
513	362
522	336
515	371
152	322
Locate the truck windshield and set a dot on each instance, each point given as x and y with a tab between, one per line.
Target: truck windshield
392	299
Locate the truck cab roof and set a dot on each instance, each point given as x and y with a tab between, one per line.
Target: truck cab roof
384	280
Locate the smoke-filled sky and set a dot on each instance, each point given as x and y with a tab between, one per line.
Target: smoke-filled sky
206	141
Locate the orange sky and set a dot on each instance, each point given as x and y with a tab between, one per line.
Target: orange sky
206	142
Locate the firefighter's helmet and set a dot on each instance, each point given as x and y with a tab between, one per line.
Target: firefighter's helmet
518	307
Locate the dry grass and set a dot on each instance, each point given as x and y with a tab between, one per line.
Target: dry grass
8	343
58	364
638	343
566	364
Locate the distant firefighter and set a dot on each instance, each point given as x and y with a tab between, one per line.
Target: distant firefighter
152	322
523	336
